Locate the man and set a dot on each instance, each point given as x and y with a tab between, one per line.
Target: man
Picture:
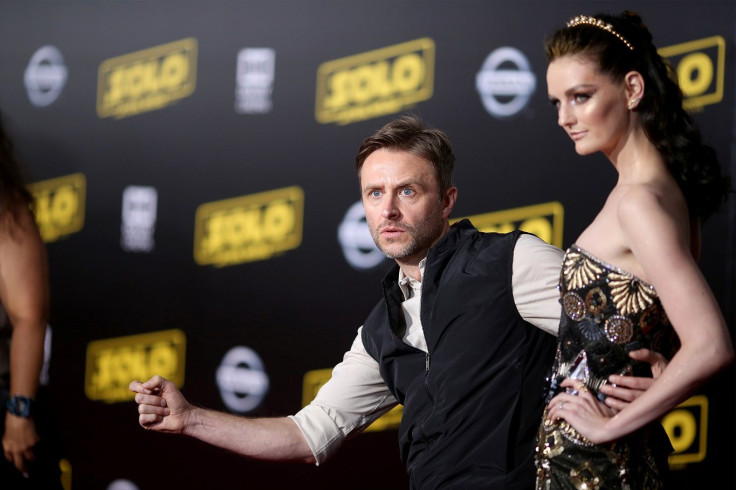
461	338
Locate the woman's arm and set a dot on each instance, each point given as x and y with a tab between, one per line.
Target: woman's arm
24	295
653	233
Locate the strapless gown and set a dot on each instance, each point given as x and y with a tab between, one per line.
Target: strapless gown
606	313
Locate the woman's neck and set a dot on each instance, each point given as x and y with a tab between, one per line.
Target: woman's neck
638	160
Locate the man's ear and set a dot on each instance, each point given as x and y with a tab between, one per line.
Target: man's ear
448	201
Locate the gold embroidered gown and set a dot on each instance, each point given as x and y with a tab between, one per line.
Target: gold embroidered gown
606	313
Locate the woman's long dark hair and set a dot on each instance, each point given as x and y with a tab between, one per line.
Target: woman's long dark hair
668	126
13	192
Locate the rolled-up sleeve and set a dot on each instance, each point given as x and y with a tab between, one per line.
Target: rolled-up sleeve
536	274
350	401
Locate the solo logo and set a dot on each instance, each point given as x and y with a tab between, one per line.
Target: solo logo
313	381
687	428
375	83
113	363
249	228
700	67
544	220
147	80
59	205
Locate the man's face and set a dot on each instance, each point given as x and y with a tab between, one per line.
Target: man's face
403	207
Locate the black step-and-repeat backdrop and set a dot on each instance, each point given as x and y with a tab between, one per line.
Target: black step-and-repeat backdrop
192	163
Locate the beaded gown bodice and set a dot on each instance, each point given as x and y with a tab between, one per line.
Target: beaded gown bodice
606	313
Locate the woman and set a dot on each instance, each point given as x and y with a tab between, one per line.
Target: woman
24	304
631	280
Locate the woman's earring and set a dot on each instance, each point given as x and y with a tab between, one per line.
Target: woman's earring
633	103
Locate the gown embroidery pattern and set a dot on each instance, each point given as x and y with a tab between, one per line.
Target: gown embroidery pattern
606	313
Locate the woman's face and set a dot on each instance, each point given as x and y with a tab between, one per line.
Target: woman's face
591	107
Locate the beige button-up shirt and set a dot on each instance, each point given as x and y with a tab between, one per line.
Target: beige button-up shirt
356	394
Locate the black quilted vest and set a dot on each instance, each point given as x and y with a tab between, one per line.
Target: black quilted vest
472	406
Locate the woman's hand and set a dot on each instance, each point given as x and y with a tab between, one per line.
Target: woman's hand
582	410
622	390
18	441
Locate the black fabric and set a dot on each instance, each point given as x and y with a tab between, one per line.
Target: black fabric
472	405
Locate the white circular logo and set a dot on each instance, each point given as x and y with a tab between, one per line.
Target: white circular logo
505	91
355	238
45	76
122	485
242	380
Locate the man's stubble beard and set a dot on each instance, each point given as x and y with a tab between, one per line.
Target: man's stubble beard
423	235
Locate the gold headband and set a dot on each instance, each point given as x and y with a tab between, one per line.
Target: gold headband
584	19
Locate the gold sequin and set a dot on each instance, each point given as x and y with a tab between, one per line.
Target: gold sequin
629	294
596	301
574	306
651	317
619	329
579	271
569	433
552	444
584	478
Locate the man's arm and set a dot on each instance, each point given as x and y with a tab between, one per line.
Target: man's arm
536	273
350	401
163	408
355	396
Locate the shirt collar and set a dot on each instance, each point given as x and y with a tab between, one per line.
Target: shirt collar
410	286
